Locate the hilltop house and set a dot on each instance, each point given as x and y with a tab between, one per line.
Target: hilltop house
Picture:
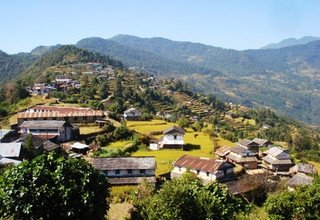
68	114
172	138
242	156
277	159
132	114
249	145
40	144
206	169
59	131
127	171
222	152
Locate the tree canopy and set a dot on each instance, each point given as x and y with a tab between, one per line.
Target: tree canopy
53	187
188	198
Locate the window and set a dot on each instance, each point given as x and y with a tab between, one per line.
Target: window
75	118
208	173
117	172
175	137
129	171
142	171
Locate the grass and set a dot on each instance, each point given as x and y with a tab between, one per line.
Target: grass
118	144
316	165
89	129
166	157
22	105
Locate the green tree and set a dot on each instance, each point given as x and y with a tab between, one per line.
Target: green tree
118	86
183	122
187	198
53	187
103	90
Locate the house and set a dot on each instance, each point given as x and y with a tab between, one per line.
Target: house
277	159
59	131
262	142
305	168
242	156
172	138
222	152
10	153
250	145
132	114
128	170
69	114
206	169
300	179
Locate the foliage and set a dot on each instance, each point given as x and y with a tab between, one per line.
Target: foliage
54	187
188	198
303	203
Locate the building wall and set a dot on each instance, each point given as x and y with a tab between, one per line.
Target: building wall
71	119
250	165
125	173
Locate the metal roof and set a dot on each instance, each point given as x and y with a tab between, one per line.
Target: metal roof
10	149
303	168
43	124
4	160
202	164
173	129
122	163
4	132
278	153
274	161
300	179
223	151
78	145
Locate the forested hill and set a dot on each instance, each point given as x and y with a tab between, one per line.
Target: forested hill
151	61
12	65
50	62
285	79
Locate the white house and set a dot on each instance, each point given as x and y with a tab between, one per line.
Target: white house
48	129
127	170
132	114
206	169
172	138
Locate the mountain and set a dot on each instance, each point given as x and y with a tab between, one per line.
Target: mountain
60	58
141	58
12	65
41	50
291	42
285	79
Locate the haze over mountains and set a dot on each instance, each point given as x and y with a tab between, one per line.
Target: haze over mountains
291	42
286	79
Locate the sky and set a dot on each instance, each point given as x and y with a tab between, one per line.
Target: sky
236	24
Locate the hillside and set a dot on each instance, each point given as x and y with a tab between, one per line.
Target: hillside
285	79
291	42
12	65
61	58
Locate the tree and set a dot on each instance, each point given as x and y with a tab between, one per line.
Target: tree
30	150
303	203
188	198
118	86
53	187
183	122
103	90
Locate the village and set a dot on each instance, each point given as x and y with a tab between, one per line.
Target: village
169	152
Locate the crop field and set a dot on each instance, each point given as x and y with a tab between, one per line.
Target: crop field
118	144
89	129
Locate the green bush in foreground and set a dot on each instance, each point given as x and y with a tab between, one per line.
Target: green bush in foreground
53	187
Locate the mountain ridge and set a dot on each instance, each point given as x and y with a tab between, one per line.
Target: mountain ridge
291	42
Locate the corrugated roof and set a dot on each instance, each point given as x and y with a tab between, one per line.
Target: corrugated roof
274	161
4	160
278	152
43	111
131	110
174	128
239	159
261	142
240	150
10	149
246	142
223	151
202	164
78	145
42	124
124	163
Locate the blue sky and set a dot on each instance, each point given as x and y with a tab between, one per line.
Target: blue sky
237	24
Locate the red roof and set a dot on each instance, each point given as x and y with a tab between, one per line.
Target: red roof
198	163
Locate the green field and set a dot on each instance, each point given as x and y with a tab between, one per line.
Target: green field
118	144
201	142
